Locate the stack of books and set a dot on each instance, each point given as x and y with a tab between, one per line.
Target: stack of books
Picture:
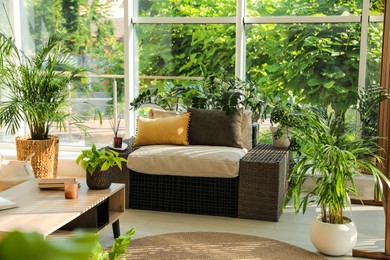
57	183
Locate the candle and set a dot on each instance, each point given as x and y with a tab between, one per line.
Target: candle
71	190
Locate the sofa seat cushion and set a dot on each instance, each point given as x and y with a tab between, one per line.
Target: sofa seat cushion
192	160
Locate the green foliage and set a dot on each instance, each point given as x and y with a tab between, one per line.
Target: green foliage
317	63
369	99
331	157
168	96
80	246
185	49
215	91
286	116
36	87
85	23
27	246
116	250
102	159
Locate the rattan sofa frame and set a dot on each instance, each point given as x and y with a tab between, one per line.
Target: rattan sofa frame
257	193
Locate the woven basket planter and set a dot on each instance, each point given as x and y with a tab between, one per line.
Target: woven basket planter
99	180
45	161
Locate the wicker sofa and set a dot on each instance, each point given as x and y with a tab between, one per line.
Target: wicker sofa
257	192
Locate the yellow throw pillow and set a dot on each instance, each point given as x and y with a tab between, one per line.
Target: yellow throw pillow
165	130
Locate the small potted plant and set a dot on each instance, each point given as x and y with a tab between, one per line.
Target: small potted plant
98	165
284	117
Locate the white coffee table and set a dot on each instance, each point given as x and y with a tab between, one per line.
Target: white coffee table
49	213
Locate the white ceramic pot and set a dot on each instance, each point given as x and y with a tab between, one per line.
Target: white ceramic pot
281	141
333	239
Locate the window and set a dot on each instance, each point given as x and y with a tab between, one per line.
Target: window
320	52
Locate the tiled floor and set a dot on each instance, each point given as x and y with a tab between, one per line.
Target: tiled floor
291	228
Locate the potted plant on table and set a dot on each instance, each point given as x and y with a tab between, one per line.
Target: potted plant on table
36	90
98	165
330	156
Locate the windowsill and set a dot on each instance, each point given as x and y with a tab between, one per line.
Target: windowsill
65	152
66	159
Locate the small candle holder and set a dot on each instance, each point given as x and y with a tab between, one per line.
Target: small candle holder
71	190
117	142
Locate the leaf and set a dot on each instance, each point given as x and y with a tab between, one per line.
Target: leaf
329	84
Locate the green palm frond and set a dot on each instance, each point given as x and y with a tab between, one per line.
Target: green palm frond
36	86
331	158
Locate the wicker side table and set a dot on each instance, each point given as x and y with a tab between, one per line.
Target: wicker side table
263	182
123	176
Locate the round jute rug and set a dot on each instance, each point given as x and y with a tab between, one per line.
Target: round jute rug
213	245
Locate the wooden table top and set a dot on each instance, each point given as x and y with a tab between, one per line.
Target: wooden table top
45	211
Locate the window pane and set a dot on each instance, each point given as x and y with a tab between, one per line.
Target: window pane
84	104
300	8
374	53
316	63
185	8
93	33
4	11
185	50
377	7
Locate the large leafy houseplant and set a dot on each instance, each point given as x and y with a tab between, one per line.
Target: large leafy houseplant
36	87
331	156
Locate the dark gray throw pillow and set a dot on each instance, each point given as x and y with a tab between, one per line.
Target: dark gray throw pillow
214	127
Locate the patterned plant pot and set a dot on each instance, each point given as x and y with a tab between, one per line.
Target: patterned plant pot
45	160
99	180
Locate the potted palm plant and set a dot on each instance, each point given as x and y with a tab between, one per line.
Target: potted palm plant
36	90
330	156
97	164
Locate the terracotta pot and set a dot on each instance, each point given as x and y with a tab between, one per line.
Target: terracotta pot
99	180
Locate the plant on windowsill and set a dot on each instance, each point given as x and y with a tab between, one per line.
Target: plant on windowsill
219	91
283	118
330	156
98	165
36	89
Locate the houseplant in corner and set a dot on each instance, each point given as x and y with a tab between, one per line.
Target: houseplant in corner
36	90
330	156
97	164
